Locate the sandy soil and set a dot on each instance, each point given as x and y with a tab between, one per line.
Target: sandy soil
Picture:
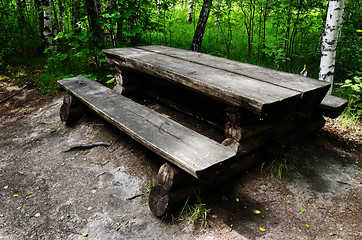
48	194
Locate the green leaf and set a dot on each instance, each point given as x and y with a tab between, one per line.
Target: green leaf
262	229
19	207
307	225
62	218
85	234
37	215
118	223
303	210
257	212
15	195
6	187
89	208
29	193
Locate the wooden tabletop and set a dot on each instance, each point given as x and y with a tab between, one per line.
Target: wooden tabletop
259	90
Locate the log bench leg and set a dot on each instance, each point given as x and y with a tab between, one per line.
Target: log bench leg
71	109
172	187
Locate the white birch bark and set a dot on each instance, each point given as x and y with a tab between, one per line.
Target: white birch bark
49	29
329	41
217	13
159	3
191	11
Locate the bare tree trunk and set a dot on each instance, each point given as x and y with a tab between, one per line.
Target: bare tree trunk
49	29
191	11
93	9
201	25
217	14
159	3
329	41
61	15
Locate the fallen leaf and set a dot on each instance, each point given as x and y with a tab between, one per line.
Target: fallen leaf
62	218
303	210
15	195
266	209
89	208
307	225
288	201
262	229
257	212
29	193
6	187
37	215
332	234
85	234
118	223
19	207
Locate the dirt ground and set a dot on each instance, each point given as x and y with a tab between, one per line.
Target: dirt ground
49	194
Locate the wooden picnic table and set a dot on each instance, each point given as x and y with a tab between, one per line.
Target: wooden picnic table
268	93
255	107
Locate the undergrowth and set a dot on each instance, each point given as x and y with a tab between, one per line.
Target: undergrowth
284	165
193	211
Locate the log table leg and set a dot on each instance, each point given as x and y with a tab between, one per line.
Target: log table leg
118	76
232	128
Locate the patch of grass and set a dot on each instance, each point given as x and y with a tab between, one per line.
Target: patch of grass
195	211
284	165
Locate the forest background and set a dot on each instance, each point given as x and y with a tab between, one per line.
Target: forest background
64	38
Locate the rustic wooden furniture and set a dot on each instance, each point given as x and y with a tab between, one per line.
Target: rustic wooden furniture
256	108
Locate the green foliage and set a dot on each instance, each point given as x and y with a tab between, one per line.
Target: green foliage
195	211
279	34
352	90
283	165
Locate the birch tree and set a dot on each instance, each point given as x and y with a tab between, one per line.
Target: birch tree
191	11
49	30
329	41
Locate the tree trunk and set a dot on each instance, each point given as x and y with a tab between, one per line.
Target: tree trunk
217	13
49	29
61	15
201	25
76	16
93	10
191	11
329	41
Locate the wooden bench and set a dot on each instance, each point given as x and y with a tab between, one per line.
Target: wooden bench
187	149
332	106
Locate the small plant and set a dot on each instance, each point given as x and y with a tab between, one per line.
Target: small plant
283	165
195	211
353	91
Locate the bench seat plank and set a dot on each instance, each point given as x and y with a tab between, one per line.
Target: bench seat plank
259	97
312	90
333	106
182	146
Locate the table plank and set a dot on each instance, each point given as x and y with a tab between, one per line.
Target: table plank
259	97
313	91
187	149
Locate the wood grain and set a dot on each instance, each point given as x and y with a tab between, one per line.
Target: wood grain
312	91
256	96
190	151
